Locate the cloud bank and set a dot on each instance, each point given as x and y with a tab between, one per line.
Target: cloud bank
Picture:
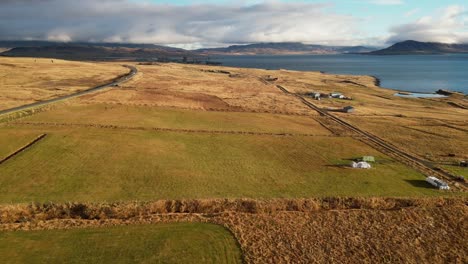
208	25
449	25
202	24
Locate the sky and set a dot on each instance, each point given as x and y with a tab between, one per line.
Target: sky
194	24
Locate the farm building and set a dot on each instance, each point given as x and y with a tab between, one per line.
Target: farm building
348	109
437	183
335	95
368	158
361	165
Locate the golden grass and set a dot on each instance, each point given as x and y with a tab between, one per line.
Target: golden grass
27	80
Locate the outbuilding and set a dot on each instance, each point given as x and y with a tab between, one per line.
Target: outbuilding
361	165
348	109
441	185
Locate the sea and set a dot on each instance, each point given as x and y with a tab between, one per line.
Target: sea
410	73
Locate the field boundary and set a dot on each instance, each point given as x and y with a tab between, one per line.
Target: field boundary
39	216
209	109
37	139
163	129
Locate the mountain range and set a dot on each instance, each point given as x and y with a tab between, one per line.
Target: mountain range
129	51
283	48
90	51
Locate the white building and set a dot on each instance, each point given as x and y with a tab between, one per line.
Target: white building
437	183
361	165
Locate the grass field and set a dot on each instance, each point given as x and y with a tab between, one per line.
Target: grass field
159	243
150	117
78	164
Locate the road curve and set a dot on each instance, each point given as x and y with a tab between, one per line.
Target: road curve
133	71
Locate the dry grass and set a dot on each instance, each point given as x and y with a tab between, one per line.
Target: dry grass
340	230
193	87
27	80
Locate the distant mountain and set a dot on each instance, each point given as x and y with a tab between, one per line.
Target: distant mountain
38	43
283	48
411	47
90	51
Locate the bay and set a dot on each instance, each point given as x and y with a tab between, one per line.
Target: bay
412	73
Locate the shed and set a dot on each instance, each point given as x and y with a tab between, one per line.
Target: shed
348	109
368	158
441	185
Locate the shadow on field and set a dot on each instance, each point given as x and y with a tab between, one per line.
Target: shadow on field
420	184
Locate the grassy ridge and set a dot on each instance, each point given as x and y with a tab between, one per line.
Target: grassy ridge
74	164
161	243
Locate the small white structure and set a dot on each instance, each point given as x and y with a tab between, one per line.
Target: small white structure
361	165
437	183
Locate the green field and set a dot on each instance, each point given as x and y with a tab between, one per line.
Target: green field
92	164
159	243
139	116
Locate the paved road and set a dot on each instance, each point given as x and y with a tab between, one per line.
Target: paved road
120	80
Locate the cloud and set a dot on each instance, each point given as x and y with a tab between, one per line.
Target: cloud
387	2
448	25
412	12
194	25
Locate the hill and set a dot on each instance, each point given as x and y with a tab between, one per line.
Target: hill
93	51
411	47
283	48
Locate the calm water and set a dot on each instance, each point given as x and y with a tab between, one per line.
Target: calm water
423	73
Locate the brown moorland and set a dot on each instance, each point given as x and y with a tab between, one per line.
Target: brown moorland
28	80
